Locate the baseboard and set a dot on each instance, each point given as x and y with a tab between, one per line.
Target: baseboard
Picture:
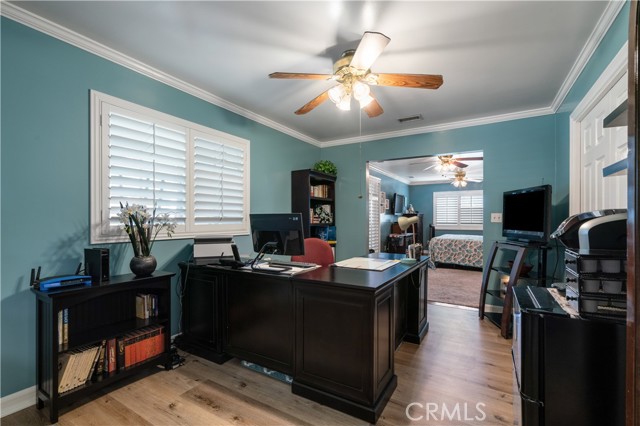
17	401
25	398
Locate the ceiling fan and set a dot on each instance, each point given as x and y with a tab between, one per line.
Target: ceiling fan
460	179
447	163
353	75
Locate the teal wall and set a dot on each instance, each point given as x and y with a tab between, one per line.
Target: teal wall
45	167
45	172
389	186
517	154
422	199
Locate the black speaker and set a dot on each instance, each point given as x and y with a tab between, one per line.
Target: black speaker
96	263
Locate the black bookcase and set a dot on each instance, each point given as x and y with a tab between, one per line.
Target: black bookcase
311	190
95	313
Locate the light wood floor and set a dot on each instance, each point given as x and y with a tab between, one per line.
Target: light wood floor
460	375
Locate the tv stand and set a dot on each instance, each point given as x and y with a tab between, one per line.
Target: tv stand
493	288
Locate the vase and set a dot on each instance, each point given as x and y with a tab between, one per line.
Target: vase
143	266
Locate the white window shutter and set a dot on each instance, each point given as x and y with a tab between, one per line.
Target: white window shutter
374	213
461	210
218	183
147	166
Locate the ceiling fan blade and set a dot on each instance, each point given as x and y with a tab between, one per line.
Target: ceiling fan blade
430	167
305	76
420	81
471	158
370	47
313	103
459	164
373	108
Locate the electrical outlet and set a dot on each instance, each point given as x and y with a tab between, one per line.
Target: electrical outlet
496	217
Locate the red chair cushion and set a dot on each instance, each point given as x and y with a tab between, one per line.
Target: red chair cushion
316	251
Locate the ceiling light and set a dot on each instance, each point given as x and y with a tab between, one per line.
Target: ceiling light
360	90
336	93
365	101
460	179
345	102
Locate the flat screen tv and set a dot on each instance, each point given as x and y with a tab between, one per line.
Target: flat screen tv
282	231
526	214
398	204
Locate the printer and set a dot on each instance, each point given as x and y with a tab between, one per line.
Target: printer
598	229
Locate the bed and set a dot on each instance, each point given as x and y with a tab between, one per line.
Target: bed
456	249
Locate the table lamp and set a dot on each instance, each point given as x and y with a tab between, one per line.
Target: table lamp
404	223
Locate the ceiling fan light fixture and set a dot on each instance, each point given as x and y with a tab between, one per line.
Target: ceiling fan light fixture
361	91
345	103
337	93
365	101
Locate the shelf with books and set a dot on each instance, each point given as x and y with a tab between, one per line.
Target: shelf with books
313	195
99	338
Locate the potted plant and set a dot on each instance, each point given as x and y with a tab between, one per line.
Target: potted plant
326	166
143	228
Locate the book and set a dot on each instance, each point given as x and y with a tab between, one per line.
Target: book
141	306
68	372
120	355
63	367
65	327
99	369
111	355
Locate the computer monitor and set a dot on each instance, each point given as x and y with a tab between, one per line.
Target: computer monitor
277	233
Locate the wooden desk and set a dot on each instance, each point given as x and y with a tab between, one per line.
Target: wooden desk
333	329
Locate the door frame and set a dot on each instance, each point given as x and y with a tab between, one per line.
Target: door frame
614	71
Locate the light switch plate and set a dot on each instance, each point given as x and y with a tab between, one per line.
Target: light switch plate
496	217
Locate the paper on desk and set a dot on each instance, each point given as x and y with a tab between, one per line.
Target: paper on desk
266	268
367	263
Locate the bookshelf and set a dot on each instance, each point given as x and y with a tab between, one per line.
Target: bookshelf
313	194
74	326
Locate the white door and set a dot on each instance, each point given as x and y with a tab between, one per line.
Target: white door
374	213
601	147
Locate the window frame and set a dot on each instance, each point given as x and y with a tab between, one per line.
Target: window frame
457	194
100	230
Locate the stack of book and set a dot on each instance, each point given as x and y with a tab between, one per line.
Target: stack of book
146	306
63	329
80	365
76	367
319	191
139	346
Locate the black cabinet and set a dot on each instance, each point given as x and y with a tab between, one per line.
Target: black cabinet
345	347
261	320
334	330
95	314
410	300
203	312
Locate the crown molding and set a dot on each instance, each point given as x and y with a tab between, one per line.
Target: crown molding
52	29
389	174
604	23
441	127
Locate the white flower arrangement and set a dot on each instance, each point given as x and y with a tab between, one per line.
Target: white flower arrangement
143	227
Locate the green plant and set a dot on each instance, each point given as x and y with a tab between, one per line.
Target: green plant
326	166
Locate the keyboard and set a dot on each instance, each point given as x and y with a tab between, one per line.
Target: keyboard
292	264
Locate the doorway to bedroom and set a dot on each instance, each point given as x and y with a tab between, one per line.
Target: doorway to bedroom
445	191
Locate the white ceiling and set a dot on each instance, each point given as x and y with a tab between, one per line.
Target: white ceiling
422	170
499	59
